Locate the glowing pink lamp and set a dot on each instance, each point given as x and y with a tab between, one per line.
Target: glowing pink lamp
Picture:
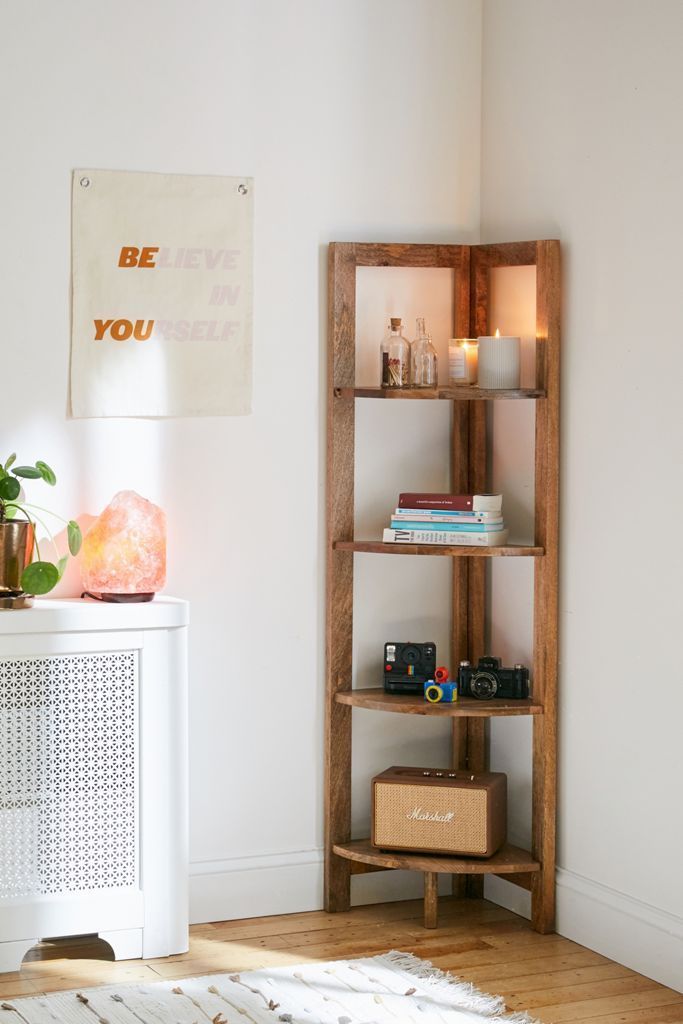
124	551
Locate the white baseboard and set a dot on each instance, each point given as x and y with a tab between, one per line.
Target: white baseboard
284	883
633	933
508	895
256	886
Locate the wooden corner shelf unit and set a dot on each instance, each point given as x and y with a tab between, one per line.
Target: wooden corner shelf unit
533	870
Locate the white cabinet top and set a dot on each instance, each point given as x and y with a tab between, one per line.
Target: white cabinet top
77	615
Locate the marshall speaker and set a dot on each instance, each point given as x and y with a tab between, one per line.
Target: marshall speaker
438	810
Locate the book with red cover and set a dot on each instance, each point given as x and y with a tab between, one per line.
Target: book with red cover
452	502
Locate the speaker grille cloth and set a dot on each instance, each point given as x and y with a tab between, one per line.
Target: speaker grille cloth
394	826
68	766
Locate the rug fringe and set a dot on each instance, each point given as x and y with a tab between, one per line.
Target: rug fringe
478	1001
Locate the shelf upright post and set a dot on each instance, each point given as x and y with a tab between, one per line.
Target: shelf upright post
339	628
474	748
546	568
460	479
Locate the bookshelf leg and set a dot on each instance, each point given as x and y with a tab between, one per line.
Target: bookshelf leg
459	886
337	884
543	883
431	899
338	807
477	761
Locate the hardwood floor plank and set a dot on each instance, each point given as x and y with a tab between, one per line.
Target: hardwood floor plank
493	974
542	946
657	1015
523	982
528	1000
558	1013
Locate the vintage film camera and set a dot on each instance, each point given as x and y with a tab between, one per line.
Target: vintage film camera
441	693
489	680
407	667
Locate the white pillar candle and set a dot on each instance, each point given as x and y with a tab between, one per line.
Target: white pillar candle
499	362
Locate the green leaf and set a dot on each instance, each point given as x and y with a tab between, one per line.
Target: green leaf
11	511
39	577
9	488
3	474
28	472
74	535
61	565
12	459
46	473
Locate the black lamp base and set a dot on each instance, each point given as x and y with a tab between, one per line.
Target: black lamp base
119	598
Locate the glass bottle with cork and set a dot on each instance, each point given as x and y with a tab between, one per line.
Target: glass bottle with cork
395	357
424	360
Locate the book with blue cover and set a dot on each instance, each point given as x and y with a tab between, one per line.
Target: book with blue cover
444	516
403	524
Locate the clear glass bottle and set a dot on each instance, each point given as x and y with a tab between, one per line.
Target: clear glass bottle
395	354
424	360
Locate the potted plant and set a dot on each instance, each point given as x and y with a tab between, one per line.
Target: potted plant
18	541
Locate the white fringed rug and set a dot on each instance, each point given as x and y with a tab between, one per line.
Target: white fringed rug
395	987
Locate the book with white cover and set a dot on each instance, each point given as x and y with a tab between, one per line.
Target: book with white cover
450	538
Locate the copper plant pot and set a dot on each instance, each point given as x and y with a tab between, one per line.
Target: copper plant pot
16	548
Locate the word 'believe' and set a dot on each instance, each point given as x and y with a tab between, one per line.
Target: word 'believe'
178	259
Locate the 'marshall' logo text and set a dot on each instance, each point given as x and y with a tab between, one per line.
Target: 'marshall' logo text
417	814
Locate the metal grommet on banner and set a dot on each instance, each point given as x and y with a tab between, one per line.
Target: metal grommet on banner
242	189
85	182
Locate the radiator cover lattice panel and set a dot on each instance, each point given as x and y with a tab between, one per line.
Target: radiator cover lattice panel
68	773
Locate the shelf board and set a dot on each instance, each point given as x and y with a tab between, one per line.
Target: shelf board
509	860
376	699
376	547
457	393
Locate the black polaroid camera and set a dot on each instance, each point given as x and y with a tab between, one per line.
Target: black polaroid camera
489	680
407	667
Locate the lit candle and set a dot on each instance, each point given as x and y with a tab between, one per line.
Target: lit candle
499	362
472	357
462	361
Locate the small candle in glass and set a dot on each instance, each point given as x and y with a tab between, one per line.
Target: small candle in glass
462	361
472	357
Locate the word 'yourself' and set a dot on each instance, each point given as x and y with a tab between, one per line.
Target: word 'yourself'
168	330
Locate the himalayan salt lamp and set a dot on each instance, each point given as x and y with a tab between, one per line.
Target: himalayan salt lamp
124	551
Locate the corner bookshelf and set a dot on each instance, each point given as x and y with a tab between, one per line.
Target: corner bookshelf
533	870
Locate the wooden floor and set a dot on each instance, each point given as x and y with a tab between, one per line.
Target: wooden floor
554	979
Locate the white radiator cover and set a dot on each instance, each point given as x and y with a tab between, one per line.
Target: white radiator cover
93	776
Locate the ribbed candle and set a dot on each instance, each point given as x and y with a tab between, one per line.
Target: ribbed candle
499	362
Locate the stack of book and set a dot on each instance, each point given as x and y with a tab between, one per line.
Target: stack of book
473	520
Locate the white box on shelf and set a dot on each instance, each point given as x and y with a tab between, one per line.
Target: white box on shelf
93	776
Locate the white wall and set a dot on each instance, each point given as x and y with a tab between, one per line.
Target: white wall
581	141
359	121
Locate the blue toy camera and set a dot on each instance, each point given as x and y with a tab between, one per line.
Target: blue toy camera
440	693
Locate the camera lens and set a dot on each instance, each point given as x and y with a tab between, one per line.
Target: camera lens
410	654
433	694
483	686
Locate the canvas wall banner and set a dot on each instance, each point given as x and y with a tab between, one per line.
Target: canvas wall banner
161	294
